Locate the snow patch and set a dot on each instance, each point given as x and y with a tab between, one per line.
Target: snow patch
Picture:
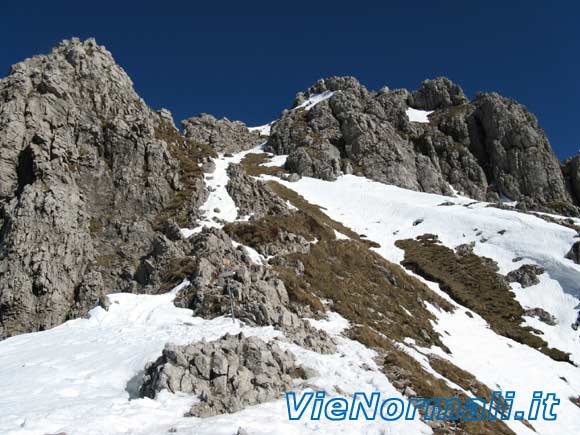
219	206
279	160
263	130
314	100
82	377
415	115
386	214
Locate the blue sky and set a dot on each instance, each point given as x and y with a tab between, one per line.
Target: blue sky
246	60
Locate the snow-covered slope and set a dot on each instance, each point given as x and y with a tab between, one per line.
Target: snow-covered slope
387	213
81	377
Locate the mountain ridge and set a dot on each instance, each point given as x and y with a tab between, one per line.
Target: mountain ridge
411	242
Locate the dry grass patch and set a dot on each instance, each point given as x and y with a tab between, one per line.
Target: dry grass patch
367	289
252	165
474	283
382	300
175	272
267	229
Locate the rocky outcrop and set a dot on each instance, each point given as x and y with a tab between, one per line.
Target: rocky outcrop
571	170
224	278
488	148
436	94
88	172
513	151
223	135
526	275
574	253
253	198
542	315
226	375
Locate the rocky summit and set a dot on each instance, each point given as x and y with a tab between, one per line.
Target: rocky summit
162	280
88	173
487	148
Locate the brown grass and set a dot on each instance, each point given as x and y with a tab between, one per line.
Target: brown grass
175	272
371	292
403	369
251	164
367	289
267	229
472	282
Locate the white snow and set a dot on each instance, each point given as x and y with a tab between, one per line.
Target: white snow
278	160
314	99
219	205
254	255
386	213
415	115
79	378
264	130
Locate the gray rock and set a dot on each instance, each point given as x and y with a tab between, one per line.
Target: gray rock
292	178
574	253
259	295
437	94
485	149
571	169
508	143
542	315
253	198
223	135
465	249
86	167
526	275
243	371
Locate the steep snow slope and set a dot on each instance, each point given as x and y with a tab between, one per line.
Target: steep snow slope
79	378
82	377
219	205
387	213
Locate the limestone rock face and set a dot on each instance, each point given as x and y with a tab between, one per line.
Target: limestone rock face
223	135
572	175
436	94
574	253
86	168
513	151
488	148
226	375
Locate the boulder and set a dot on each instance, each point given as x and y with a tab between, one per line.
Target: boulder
526	275
574	253
542	315
226	375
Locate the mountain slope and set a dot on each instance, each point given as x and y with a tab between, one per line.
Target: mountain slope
363	249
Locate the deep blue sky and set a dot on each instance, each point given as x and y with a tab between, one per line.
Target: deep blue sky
246	60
